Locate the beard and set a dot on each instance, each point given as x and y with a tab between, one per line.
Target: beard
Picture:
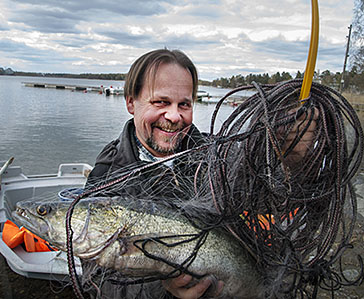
174	143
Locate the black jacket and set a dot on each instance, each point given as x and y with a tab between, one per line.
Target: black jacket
122	155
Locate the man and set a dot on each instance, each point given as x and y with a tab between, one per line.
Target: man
160	89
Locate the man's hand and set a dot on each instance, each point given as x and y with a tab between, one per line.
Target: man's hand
178	287
306	142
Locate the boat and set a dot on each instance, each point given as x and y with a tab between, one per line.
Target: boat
201	94
16	186
118	90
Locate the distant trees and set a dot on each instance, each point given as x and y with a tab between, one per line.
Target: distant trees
330	79
240	80
357	45
355	78
7	71
108	76
299	75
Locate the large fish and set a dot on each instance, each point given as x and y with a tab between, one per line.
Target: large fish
112	232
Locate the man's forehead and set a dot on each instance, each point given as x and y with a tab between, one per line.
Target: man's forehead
163	82
163	69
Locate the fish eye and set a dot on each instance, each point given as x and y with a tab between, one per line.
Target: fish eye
43	210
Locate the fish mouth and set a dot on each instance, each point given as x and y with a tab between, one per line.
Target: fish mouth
23	217
21	212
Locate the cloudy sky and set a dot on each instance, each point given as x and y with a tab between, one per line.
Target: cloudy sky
222	37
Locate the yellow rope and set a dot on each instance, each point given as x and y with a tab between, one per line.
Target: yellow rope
312	54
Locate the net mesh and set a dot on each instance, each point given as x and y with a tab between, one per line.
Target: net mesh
294	215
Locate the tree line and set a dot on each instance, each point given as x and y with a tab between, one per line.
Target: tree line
101	76
352	80
240	80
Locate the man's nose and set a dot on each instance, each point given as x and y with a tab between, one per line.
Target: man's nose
172	114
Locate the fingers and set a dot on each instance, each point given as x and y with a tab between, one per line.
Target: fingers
305	120
303	115
306	141
178	287
177	282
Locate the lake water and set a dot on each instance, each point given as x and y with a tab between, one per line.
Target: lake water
43	127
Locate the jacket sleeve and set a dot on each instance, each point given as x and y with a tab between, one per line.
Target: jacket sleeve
103	163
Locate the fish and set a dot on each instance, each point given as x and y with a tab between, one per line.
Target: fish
142	240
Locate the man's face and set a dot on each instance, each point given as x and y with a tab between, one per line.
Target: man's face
163	112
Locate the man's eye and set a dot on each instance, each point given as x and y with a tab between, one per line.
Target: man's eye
185	105
160	103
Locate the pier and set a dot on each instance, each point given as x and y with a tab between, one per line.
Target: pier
99	89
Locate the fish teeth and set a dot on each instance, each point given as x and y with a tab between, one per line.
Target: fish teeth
21	212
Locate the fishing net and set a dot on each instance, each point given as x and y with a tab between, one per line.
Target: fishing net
293	214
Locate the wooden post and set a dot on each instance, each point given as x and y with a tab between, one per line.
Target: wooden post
345	60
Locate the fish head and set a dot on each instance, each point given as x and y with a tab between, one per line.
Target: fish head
45	219
88	222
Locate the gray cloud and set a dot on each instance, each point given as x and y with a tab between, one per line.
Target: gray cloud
4	27
49	21
279	47
208	10
297	50
331	56
74	42
187	41
125	38
159	39
28	54
10	47
53	16
122	7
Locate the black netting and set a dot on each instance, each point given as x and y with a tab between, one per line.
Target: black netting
294	215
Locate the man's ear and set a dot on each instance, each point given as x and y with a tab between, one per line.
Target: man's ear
130	104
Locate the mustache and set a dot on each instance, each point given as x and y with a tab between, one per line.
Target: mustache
169	125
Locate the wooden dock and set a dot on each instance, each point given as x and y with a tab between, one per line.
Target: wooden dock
64	86
107	90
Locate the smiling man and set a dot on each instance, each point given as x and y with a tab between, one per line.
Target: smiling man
160	89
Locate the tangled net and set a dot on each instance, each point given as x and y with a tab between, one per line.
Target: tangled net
296	214
294	217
